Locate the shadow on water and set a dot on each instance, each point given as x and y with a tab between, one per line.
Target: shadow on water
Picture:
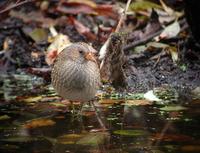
38	121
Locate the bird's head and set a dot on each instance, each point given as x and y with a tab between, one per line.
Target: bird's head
80	53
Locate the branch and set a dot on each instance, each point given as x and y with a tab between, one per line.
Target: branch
103	49
148	38
15	5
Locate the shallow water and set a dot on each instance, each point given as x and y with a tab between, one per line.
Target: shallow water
41	122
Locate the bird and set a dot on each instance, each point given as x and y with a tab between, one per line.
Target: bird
75	73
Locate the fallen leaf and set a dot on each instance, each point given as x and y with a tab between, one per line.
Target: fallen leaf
149	95
109	101
169	10
88	113
58	104
38	35
107	10
87	7
172	13
69	138
82	29
137	102
6	44
93	139
90	3
32	99
35	16
4	117
44	5
59	43
171	137
174	53
172	108
170	31
157	45
74	8
131	133
190	148
21	139
143	5
152	27
139	49
164	17
36	123
196	93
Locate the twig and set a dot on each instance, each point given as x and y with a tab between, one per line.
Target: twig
122	16
98	116
15	5
141	41
148	38
2	52
103	49
10	27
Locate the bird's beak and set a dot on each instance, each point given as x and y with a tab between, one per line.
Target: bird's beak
90	56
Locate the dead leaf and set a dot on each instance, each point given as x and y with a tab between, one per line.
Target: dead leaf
87	7
137	102
75	8
164	17
170	31
169	10
173	108
107	10
32	99
139	5
38	35
157	45
44	5
109	101
172	13
59	43
4	117
174	53
90	3
7	42
69	138
172	137
152	27
36	123
83	30
190	148
93	139
88	113
149	95
196	93
35	16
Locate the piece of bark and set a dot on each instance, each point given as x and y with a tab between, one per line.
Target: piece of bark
112	69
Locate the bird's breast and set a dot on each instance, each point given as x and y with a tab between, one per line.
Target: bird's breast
76	81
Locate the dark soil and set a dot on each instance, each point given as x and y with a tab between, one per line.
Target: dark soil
146	74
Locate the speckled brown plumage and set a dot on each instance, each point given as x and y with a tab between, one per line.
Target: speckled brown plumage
75	74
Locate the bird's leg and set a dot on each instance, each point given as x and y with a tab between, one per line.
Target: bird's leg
76	113
73	110
98	115
81	109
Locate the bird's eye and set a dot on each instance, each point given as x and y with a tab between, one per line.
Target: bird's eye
80	51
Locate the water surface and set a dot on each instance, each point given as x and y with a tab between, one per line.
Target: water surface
41	122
